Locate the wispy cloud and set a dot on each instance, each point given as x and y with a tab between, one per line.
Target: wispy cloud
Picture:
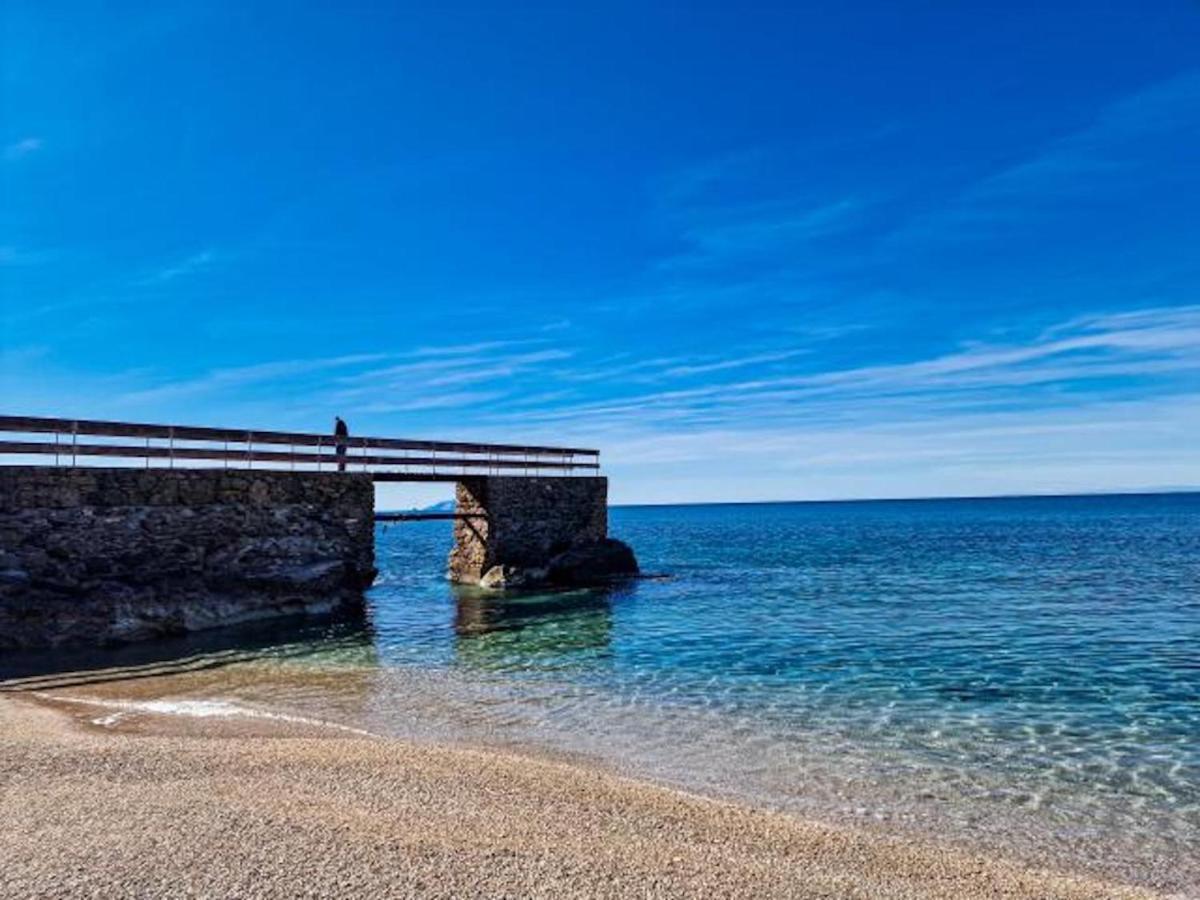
717	237
227	380
17	357
422	379
466	349
693	183
1108	146
501	369
15	256
427	402
1131	145
737	362
20	149
1110	350
189	265
622	368
1130	444
437	367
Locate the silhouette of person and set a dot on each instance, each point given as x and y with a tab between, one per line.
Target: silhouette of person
340	433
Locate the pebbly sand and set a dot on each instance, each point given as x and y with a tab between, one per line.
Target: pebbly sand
211	808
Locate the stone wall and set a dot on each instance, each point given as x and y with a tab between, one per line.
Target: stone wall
93	556
524	522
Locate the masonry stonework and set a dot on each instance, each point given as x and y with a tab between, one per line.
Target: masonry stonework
95	556
524	522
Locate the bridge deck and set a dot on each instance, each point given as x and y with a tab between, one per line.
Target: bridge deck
75	442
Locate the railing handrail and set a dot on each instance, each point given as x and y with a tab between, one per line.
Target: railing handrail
126	451
100	428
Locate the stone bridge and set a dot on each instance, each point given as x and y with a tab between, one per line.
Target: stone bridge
211	527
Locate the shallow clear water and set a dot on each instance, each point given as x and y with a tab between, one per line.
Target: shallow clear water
1021	671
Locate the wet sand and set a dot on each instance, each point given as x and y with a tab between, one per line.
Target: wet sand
178	807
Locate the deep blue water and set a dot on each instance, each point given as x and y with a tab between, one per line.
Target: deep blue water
1026	669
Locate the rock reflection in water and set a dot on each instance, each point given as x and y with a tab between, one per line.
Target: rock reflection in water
543	630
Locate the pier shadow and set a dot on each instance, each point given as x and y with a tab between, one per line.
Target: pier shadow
283	638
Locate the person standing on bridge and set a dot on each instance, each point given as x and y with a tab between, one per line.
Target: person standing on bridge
340	434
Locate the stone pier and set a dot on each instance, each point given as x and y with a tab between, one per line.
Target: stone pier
92	555
517	531
102	555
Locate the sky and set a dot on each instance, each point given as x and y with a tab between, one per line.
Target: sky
796	251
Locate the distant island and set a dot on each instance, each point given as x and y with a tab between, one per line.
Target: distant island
444	506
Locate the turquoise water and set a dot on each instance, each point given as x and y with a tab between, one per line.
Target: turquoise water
1038	655
1018	671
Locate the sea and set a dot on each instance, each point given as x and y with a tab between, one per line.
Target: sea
1019	675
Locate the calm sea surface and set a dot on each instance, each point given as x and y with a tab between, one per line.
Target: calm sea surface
1017	671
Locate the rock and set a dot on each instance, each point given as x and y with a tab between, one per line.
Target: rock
512	578
496	577
596	562
588	564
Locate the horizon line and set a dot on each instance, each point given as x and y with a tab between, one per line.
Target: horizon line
1165	492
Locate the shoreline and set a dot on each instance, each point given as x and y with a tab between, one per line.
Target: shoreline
178	805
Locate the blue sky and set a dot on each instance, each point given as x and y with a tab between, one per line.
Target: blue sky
850	250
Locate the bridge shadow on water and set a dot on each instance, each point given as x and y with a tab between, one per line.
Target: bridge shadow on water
485	630
290	637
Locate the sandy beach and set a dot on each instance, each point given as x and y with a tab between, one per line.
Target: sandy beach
204	808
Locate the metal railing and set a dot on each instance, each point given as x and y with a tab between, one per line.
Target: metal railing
26	439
